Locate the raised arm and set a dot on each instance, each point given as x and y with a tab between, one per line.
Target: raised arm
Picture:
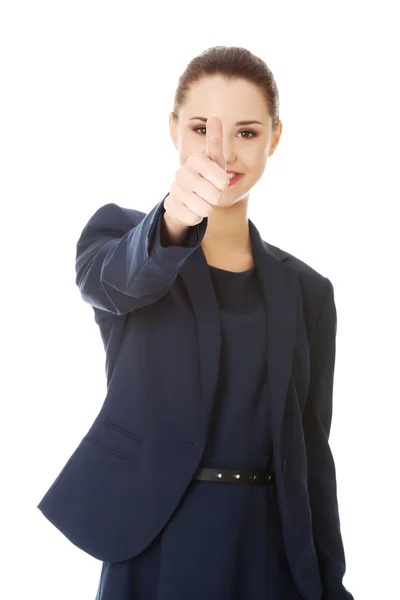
123	265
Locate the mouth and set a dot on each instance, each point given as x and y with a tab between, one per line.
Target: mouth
234	177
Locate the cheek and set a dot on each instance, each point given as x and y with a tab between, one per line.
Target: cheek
262	160
258	163
255	155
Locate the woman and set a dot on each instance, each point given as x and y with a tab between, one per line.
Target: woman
207	472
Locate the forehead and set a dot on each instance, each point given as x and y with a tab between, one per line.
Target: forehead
235	99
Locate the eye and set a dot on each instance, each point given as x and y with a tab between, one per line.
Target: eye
253	133
197	129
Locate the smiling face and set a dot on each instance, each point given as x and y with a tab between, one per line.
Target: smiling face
246	147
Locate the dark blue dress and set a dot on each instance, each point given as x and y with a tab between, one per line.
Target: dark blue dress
224	541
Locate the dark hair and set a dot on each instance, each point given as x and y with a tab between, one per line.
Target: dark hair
231	62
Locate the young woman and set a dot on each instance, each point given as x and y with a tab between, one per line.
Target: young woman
207	473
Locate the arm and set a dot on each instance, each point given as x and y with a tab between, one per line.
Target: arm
120	268
317	418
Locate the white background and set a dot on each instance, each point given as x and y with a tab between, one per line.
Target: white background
86	88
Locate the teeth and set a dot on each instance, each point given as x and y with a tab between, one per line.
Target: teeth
232	175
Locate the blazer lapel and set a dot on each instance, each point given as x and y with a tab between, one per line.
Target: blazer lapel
197	279
280	288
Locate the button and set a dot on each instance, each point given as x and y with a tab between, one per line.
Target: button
283	465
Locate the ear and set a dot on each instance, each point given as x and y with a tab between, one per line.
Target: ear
275	138
173	129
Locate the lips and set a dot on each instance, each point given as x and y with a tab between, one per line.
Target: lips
234	179
234	173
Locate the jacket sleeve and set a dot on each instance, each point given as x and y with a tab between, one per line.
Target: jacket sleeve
121	267
322	487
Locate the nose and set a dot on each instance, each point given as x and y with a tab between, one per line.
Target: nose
228	149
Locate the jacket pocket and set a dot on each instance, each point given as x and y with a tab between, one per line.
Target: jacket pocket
115	438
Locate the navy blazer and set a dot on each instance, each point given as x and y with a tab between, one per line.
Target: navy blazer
159	321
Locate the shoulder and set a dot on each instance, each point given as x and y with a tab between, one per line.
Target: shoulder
307	274
316	288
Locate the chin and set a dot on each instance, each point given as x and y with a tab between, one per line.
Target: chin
230	197
228	202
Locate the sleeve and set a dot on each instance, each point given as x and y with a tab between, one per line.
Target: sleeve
322	487
120	268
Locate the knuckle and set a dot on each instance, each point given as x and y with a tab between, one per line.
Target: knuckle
180	176
199	206
172	189
209	210
223	182
195	219
219	195
194	161
216	196
206	208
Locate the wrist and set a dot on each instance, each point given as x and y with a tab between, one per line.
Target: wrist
173	232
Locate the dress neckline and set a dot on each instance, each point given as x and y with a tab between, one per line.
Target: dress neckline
248	271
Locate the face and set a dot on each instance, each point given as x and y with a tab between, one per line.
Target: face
246	147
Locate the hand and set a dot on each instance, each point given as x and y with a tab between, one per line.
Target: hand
199	183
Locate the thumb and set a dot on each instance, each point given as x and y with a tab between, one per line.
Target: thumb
214	141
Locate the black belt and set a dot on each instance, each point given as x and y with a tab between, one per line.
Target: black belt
257	476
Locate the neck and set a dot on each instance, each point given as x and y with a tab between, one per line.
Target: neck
228	230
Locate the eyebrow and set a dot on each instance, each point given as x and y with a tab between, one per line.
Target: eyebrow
238	123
